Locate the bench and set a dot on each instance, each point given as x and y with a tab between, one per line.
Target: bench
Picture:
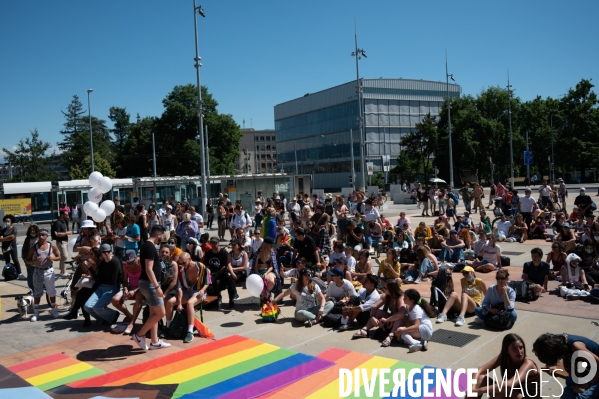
200	306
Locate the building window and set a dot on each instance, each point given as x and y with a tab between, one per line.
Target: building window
267	148
261	138
274	147
263	166
267	138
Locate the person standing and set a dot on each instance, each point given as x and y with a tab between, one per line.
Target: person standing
8	238
75	216
209	213
60	236
562	193
466	194
41	255
545	192
526	206
149	287
199	220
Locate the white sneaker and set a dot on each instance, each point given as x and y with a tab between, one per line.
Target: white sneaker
478	320
21	277
408	280
442	318
159	345
55	313
63	275
415	348
460	321
424	346
418	280
35	315
140	341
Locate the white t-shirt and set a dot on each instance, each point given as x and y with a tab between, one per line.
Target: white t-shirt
371	215
527	204
351	264
120	242
370	300
199	219
418	313
478	246
504	227
333	256
491	253
545	190
168	223
255	244
305	300
75	212
346	290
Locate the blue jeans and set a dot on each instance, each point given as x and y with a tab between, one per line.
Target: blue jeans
97	304
285	259
458	254
479	313
591	392
373	240
467	203
258	220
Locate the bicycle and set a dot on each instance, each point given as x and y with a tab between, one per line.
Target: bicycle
24	220
63	293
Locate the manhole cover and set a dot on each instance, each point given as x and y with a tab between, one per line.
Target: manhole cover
512	253
453	338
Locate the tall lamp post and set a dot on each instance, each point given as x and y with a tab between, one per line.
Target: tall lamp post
359	53
447	76
196	11
91	140
509	104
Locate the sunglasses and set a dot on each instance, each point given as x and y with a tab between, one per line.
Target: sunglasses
500	278
106	252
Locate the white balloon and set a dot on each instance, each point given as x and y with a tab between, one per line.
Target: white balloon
254	285
94	195
108	207
104	184
90	207
99	215
93	179
71	245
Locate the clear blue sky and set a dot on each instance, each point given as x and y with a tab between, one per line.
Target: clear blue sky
257	54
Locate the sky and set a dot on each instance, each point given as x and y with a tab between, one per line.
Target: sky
257	54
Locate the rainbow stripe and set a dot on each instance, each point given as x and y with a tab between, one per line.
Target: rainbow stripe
53	371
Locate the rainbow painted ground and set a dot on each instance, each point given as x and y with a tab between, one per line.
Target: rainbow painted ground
233	367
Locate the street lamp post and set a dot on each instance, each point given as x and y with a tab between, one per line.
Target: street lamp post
351	151
552	171
359	53
196	11
91	140
447	76
509	104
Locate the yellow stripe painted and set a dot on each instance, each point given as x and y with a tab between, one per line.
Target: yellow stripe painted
58	374
215	365
331	390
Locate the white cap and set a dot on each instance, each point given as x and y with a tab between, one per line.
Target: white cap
88	224
582	189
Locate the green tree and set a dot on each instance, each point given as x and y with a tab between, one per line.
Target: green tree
82	170
420	145
137	155
73	123
122	125
30	160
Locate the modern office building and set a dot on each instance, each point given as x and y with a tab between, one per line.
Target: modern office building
257	152
313	131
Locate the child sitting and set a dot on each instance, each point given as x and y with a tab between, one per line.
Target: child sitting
419	329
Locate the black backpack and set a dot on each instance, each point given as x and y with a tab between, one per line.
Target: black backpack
178	327
10	272
499	321
332	320
523	291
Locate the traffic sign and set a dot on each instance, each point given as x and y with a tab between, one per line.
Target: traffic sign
527	157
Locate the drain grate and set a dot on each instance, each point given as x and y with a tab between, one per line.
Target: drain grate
453	338
512	253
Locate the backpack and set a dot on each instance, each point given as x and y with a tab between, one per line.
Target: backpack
523	291
10	272
505	261
332	320
499	321
178	327
455	198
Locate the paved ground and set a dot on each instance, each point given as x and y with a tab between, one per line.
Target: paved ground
22	340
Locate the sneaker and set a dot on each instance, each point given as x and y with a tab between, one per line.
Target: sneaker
418	280
188	337
35	316
236	297
63	275
460	321
426	279
415	348
22	277
160	344
55	313
442	318
424	346
140	341
478	320
408	280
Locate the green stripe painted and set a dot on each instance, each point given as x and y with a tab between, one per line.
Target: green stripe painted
231	371
75	377
389	387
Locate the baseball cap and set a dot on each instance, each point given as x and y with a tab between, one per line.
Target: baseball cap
129	256
105	247
453	232
214	239
336	272
305	272
268	240
467	269
193	241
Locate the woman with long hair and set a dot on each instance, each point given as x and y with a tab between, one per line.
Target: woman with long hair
192	246
30	241
221	211
473	291
552	348
390	268
363	267
557	258
266	266
521	371
390	316
238	261
310	305
418	329
424	268
88	260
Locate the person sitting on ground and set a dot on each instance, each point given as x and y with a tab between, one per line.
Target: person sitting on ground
557	258
310	306
521	371
390	268
567	238
363	267
551	349
436	243
574	283
519	231
217	260
424	230
491	257
341	265
191	290
175	251
584	202
538	229
390	317
418	329
354	316
473	291
401	240
130	281
588	261
338	253
454	248
107	284
238	262
402	221
351	261
387	239
499	298
305	247
485	223
502	231
536	272
339	287
479	244
424	268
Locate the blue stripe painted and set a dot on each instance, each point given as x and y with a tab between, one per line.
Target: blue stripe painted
23	392
251	377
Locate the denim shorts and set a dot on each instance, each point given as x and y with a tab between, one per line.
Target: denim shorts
149	293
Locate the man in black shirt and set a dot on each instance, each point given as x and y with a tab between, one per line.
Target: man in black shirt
149	286
536	272
355	236
107	279
217	260
584	202
305	247
8	238
60	235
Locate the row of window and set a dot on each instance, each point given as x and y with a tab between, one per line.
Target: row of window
264	138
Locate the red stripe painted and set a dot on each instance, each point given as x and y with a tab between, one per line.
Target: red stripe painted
332	354
173	358
17	368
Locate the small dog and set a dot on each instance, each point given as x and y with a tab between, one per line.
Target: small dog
23	303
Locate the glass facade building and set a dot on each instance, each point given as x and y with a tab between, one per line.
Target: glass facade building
313	132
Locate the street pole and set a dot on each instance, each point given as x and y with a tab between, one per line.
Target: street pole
154	154
447	75
351	151
91	140
552	171
509	103
196	11
527	164
385	151
207	155
358	54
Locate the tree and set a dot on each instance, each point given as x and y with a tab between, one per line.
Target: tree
83	170
73	116
137	154
421	144
122	125
30	160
